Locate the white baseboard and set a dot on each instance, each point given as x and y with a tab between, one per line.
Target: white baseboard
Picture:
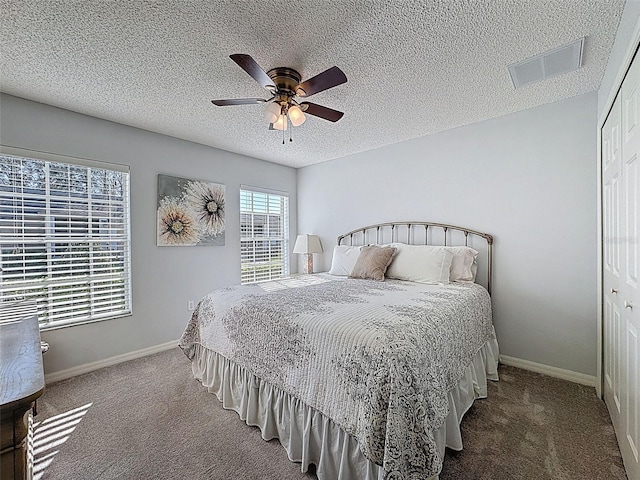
556	372
107	362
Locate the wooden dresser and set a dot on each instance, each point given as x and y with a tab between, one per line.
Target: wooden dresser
21	383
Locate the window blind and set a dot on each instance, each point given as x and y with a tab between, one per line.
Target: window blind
64	239
264	235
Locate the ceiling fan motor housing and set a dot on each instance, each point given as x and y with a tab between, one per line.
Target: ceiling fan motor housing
285	79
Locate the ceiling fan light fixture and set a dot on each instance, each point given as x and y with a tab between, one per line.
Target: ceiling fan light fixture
281	123
273	112
296	116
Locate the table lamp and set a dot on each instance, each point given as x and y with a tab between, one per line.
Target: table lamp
308	245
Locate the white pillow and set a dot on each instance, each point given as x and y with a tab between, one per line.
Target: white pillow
420	263
344	259
463	264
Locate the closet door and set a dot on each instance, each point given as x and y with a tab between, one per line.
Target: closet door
611	181
629	296
621	235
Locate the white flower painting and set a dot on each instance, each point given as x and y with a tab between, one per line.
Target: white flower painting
190	212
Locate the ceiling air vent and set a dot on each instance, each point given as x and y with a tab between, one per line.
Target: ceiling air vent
560	60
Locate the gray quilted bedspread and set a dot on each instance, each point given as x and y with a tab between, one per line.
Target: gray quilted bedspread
378	358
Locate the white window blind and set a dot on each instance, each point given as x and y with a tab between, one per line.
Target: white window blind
264	235
65	239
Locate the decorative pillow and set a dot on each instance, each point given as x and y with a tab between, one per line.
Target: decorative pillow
372	262
344	259
463	264
421	263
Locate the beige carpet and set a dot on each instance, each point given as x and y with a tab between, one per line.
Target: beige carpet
149	419
536	427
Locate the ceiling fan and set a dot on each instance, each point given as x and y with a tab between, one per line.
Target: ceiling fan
284	85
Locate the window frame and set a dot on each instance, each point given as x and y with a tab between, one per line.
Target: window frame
126	225
285	263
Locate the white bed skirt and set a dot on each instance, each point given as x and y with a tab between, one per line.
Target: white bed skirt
311	438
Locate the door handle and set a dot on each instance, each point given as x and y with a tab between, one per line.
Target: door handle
628	305
614	291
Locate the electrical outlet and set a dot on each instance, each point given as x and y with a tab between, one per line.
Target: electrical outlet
191	305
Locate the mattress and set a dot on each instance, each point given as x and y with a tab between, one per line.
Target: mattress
378	360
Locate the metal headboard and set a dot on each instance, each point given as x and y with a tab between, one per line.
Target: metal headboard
420	233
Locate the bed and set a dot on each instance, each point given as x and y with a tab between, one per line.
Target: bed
365	379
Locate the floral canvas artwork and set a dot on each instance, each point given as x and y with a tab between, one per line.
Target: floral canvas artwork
190	212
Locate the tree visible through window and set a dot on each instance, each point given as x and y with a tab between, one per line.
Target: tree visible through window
264	235
65	239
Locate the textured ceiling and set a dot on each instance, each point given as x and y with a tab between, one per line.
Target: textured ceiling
413	67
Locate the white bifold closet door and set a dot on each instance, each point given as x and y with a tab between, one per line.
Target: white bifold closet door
621	248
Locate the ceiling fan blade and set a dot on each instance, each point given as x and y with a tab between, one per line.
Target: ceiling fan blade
328	79
238	101
322	112
249	65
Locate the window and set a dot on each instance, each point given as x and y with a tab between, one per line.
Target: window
264	235
64	237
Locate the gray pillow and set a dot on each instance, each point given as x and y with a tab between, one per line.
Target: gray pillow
372	262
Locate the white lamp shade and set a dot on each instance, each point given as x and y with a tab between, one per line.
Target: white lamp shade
281	124
307	244
296	116
273	112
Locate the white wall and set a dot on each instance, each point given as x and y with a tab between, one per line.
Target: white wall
164	278
528	178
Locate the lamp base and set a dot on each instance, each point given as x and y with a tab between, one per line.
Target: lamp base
308	265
